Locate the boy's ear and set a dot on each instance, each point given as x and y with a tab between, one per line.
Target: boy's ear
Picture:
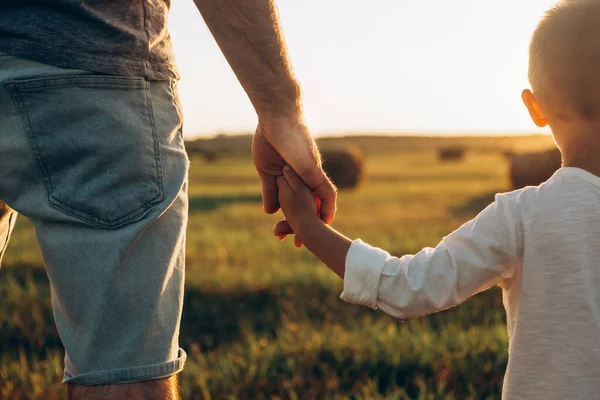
535	111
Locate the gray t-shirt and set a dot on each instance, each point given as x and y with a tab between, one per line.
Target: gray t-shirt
118	37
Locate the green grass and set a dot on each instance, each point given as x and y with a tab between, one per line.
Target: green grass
263	320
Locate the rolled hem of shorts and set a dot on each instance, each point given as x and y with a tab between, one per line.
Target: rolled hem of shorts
129	375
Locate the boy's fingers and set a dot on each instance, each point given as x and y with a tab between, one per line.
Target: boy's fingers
282	228
297	242
292	178
283	186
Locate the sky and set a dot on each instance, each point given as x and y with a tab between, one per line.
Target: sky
378	66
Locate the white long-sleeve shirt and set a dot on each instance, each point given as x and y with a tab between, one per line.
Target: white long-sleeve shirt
542	246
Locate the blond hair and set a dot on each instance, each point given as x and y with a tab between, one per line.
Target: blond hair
564	60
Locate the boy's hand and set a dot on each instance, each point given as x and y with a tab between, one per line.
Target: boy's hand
299	204
297	201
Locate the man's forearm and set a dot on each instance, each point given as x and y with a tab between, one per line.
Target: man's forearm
248	33
330	246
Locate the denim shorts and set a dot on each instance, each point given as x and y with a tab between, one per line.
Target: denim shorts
98	164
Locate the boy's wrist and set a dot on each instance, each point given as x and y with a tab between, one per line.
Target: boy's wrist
308	224
323	241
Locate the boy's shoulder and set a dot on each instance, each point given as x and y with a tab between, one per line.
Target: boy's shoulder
556	184
568	187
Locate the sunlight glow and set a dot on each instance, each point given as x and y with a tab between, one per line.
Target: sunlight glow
410	66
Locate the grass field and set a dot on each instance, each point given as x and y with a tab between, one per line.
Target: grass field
263	320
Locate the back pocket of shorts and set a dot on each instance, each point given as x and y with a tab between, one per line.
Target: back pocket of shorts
94	141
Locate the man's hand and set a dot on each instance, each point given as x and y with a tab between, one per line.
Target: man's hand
284	142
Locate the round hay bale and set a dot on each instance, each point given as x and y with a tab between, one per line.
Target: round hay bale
195	150
344	166
532	169
211	156
508	154
451	153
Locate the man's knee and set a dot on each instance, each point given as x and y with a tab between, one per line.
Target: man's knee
158	389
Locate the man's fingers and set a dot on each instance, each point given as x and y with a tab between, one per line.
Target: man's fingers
299	150
327	193
297	242
270	193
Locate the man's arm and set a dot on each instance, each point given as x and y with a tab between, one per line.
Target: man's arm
249	35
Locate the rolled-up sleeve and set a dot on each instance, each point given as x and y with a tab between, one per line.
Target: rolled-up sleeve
364	266
480	254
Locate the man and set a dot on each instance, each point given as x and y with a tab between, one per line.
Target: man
91	151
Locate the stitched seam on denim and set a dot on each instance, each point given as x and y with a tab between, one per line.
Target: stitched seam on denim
159	172
24	117
144	207
161	369
177	104
14	87
83	85
176	368
108	82
100	222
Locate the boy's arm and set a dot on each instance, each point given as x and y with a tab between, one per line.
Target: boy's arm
326	243
480	254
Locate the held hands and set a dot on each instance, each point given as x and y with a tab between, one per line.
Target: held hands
298	203
285	141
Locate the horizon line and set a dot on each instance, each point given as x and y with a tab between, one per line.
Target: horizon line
384	133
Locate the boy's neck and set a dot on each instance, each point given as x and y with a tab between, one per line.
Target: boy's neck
588	160
579	144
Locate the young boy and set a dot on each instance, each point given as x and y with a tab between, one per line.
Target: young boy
540	244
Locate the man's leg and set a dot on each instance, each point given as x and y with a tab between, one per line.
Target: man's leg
159	389
98	164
